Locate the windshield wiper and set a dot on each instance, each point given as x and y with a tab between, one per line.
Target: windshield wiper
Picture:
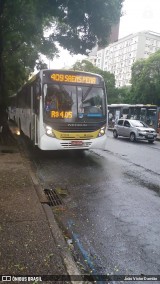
87	92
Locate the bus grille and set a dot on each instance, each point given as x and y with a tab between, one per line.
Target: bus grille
90	127
68	145
78	129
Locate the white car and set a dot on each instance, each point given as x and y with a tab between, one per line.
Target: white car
135	130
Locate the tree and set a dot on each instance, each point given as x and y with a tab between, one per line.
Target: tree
76	25
21	40
108	77
85	65
146	80
123	95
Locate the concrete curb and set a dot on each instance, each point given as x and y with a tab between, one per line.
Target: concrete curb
57	234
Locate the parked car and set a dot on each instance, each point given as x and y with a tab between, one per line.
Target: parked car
135	130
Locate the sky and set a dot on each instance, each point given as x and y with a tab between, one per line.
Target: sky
138	15
65	60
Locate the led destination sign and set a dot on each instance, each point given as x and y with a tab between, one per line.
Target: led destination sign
61	114
83	79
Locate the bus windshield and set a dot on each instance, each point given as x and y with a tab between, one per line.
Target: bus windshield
73	103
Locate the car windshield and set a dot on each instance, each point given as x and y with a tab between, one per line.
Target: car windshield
137	123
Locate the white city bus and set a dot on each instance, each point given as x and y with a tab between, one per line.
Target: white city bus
59	109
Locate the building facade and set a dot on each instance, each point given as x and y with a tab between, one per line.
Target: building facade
119	56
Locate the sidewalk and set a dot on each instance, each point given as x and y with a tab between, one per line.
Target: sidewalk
31	242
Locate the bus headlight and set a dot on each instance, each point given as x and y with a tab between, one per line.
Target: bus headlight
49	131
102	131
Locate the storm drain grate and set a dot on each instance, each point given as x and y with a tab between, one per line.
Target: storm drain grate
53	197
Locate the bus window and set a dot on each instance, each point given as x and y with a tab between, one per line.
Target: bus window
91	101
36	96
27	92
151	117
143	114
58	102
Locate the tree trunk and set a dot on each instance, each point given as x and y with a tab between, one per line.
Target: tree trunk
2	2
3	106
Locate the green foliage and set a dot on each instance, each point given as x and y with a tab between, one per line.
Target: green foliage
86	66
109	78
76	25
86	23
146	80
123	95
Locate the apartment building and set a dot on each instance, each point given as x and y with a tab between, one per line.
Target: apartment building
119	56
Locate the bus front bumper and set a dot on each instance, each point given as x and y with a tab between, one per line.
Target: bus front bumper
50	143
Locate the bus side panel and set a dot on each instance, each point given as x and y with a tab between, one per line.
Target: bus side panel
158	129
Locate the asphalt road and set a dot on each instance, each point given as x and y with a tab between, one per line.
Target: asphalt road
112	204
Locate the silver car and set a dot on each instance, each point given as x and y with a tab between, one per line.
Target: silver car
135	130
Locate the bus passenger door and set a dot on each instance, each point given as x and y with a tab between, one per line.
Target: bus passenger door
31	130
36	92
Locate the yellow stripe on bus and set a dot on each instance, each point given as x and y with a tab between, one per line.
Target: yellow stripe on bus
76	135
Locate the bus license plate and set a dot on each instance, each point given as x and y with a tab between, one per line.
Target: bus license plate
76	143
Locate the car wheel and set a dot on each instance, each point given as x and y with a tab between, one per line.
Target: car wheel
115	134
132	137
151	141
